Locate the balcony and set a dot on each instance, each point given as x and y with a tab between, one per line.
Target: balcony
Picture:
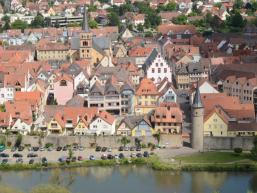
95	98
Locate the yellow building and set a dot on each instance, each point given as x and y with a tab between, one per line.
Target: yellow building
216	123
53	127
53	51
146	97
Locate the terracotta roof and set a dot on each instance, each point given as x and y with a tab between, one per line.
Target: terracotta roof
20	110
176	29
34	98
167	113
146	87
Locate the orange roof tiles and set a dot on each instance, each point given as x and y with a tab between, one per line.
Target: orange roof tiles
146	87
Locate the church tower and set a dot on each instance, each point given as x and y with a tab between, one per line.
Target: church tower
197	130
85	50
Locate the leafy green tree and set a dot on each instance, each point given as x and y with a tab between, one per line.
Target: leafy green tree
254	149
171	6
140	28
92	24
70	153
49	189
113	19
218	5
235	21
2	108
137	142
6	20
181	19
157	137
18	140
38	21
18	24
92	8
153	19
124	141
238	4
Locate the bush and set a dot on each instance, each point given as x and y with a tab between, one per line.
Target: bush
47	145
238	150
143	145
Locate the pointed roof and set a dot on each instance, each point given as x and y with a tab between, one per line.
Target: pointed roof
197	103
85	27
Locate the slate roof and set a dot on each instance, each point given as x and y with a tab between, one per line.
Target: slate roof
150	59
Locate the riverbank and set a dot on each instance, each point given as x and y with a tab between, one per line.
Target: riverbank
210	161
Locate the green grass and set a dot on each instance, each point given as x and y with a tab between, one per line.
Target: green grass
215	157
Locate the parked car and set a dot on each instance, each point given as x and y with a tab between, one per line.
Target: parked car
139	155
31	161
138	149
68	160
91	157
64	148
32	155
4	161
98	148
4	155
109	150
20	148
17	155
116	156
104	149
35	148
80	158
73	159
126	148
62	159
75	148
42	149
59	148
19	161
133	155
44	161
14	149
50	149
110	156
121	156
146	154
132	148
104	157
81	148
121	148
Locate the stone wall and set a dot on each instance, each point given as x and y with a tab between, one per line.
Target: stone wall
170	141
228	143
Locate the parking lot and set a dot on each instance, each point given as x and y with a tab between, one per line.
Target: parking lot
53	156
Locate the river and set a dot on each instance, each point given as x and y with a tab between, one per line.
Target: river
129	179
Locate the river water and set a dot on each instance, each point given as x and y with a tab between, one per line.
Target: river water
132	179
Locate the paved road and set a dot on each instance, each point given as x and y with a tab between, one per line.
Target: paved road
53	156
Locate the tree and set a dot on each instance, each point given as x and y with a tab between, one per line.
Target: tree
235	21
2	108
70	153
124	141
113	19
140	27
238	4
18	140
19	24
6	20
137	142
92	24
38	21
254	149
157	137
181	19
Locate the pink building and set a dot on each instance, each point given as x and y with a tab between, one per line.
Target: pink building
63	89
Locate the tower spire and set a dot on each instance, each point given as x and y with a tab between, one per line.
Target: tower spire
85	27
197	103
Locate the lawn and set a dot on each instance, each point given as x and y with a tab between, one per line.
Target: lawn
214	157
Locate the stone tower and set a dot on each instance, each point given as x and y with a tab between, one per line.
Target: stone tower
197	133
85	50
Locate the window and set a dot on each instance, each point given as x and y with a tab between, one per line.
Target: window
152	70
165	70
63	83
159	70
85	43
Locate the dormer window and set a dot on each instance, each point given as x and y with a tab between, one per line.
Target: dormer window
63	83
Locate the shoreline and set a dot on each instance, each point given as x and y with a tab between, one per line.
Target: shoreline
152	163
